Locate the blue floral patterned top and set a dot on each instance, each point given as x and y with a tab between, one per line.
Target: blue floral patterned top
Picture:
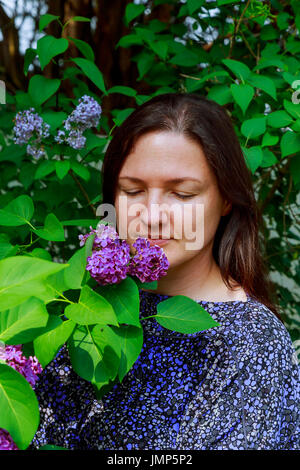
235	386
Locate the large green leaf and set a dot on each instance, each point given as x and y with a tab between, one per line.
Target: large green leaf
279	119
74	274
252	128
45	20
90	359
22	323
182	314
131	342
19	407
21	276
17	212
55	334
124	297
91	308
242	95
290	143
49	47
253	157
239	69
263	82
92	72
53	230
40	88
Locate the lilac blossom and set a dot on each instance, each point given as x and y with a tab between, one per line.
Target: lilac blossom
149	262
85	115
111	261
29	368
29	126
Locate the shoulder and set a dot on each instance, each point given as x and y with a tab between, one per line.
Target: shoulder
256	332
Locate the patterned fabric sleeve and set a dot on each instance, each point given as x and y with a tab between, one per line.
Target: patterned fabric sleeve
65	400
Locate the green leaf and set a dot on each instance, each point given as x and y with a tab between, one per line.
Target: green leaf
269	140
185	59
19	407
62	167
40	88
122	115
131	342
91	308
84	48
290	143
264	83
41	253
20	274
45	168
80	18
54	118
252	128
269	158
56	333
49	47
221	94
194	5
279	119
30	54
46	19
74	274
91	71
17	212
160	48
253	157
53	230
80	170
182	314
292	108
123	90
90	359
124	298
22	323
242	95
239	69
132	11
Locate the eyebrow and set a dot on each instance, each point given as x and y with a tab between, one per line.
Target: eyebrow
173	180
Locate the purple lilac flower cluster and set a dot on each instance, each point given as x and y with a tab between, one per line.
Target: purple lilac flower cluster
29	125
86	114
29	368
149	262
111	262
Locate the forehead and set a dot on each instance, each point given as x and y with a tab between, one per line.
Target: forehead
165	157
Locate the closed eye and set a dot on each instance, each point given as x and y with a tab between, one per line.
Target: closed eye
181	196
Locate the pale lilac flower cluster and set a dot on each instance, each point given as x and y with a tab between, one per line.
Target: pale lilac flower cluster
85	115
111	262
30	126
149	262
29	368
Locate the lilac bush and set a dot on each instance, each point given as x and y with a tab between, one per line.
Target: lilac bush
149	262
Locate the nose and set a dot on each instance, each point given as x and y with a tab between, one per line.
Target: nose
154	216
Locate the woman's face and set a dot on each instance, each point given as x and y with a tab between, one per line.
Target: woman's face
156	159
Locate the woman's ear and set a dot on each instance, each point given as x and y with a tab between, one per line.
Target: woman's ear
227	206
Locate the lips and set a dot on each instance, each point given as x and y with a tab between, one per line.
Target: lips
159	241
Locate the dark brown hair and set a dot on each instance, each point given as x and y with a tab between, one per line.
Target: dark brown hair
237	244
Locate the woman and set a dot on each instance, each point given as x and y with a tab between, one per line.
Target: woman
235	386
